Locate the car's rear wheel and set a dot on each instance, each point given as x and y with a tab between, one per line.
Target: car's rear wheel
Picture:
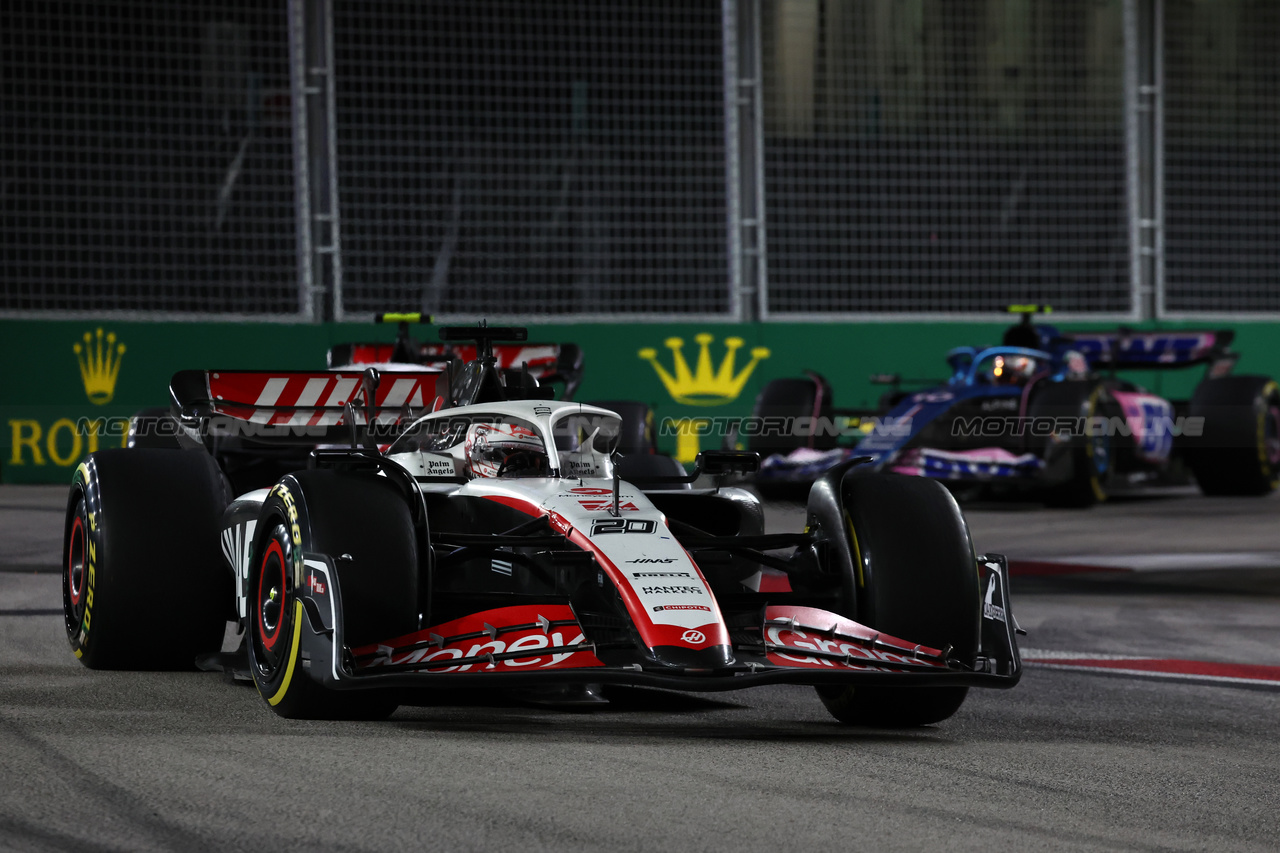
915	577
153	429
1238	450
778	405
363	524
143	584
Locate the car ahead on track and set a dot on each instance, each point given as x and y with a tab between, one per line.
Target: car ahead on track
560	365
1048	411
557	365
555	370
493	544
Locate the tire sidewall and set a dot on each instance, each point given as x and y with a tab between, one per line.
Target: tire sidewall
274	650
1238	450
1095	453
1267	411
83	536
1078	471
278	546
285	529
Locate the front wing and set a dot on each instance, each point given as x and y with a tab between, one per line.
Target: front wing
545	643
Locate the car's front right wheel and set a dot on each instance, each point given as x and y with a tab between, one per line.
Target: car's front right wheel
915	577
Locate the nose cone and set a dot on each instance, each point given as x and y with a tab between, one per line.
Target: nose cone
684	657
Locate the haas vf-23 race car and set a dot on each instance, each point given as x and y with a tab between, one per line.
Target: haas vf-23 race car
1048	411
493	544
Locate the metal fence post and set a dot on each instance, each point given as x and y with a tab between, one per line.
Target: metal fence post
1157	148
744	160
315	159
1143	142
732	157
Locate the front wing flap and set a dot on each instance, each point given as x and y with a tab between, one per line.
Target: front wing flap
542	643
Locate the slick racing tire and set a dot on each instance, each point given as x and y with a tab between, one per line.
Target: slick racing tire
636	434
1238	451
807	397
915	578
1085	463
143	583
362	523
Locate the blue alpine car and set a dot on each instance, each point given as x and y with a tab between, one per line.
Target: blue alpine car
1045	411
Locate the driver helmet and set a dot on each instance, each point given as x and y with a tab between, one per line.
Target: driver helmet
491	450
1012	369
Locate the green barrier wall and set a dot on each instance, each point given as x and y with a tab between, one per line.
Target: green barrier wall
61	374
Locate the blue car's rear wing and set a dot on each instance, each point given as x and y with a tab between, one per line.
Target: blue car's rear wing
1127	349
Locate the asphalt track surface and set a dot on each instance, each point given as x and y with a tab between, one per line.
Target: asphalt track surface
1112	753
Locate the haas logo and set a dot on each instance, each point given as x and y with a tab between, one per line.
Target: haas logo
693	638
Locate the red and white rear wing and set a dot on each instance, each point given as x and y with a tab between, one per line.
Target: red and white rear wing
547	363
301	398
540	358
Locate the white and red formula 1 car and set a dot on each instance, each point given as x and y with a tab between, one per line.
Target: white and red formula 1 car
492	544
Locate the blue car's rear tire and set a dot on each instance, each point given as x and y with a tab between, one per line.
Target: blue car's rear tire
1238	451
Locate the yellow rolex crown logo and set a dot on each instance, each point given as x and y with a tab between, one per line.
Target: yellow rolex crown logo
704	385
99	365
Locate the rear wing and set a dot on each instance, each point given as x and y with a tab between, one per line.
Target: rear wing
303	406
548	363
1126	349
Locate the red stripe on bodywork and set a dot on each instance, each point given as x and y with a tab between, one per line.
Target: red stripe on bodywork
652	634
527	507
714	633
506	638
